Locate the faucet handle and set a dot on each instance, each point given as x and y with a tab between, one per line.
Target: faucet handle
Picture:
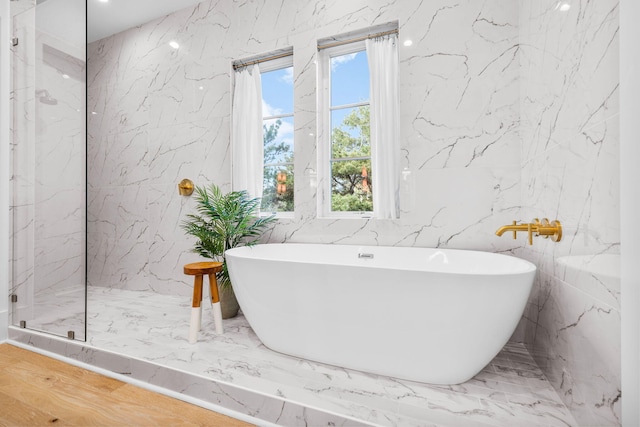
537	225
545	223
557	236
515	233
551	229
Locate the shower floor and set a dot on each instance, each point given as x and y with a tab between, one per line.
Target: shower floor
510	391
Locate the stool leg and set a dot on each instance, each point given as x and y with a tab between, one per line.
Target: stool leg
196	310
215	303
200	316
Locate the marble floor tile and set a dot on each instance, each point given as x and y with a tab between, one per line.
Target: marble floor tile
152	327
57	310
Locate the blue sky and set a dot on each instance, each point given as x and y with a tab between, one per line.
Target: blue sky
349	79
277	92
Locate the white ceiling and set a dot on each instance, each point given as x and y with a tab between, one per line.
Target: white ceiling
70	29
114	16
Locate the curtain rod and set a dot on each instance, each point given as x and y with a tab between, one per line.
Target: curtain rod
358	39
258	61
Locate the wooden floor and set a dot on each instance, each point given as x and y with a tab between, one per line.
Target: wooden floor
36	391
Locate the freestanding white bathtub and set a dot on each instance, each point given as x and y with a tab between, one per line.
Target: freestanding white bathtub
430	315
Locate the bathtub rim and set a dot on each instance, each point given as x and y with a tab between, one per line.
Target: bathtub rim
524	266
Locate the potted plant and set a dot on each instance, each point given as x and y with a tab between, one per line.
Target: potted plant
224	221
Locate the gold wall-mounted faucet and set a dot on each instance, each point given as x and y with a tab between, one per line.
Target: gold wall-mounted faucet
545	229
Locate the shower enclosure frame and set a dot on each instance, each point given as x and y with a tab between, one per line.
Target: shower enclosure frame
48	156
5	105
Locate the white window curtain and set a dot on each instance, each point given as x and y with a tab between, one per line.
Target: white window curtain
382	53
323	184
246	127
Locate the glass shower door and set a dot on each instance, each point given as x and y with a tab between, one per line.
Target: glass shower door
48	180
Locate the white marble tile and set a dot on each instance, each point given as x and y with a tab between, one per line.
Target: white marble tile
137	333
119	159
569	130
60	262
119	212
149	327
166	261
597	275
59	212
56	309
198	150
117	263
188	128
190	92
505	107
577	339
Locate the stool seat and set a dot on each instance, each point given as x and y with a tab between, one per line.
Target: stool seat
199	269
196	268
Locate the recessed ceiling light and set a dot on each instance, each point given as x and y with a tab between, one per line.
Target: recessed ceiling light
407	43
65	76
174	44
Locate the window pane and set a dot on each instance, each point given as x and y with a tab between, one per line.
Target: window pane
349	79
351	185
350	132
278	140
277	193
277	92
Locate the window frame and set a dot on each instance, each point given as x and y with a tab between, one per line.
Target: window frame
265	67
324	142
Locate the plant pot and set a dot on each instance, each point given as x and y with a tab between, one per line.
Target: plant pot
228	302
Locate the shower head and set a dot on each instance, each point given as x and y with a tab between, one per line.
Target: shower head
45	98
48	100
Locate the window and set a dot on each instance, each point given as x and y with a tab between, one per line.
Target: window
347	131
277	125
350	160
358	124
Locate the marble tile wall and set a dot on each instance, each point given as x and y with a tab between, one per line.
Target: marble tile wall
162	115
508	111
570	157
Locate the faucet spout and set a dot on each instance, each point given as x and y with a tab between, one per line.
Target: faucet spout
513	227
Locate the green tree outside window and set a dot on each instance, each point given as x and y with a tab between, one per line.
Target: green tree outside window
351	185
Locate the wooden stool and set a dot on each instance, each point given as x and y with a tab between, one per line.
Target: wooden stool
198	269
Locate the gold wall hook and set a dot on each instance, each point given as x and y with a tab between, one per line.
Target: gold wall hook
185	187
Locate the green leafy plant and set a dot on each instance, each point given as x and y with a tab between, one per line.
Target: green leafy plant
224	221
